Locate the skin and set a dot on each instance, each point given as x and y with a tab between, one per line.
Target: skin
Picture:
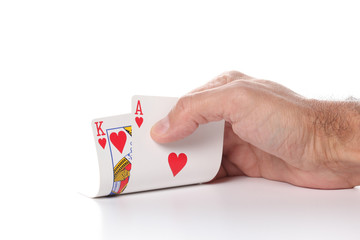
272	132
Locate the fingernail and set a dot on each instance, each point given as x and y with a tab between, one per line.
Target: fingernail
161	127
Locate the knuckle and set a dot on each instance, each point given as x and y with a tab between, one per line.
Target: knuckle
184	104
238	75
241	88
231	76
235	73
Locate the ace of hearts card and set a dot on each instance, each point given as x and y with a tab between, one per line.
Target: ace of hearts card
131	161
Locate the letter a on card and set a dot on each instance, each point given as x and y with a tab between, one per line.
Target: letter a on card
138	120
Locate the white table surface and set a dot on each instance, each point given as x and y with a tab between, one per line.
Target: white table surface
232	208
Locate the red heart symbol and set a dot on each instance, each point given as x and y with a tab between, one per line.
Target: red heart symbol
102	142
139	121
177	163
118	140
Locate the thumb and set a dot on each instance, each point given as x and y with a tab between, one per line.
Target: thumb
189	112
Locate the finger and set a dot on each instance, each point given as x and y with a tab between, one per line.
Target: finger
190	111
221	174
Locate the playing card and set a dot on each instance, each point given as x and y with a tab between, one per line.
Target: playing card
114	149
195	159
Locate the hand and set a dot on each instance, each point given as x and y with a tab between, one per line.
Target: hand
272	132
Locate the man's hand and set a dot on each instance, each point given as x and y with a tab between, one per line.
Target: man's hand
272	132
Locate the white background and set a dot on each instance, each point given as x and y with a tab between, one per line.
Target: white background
63	63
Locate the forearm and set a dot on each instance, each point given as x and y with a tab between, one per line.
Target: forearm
336	127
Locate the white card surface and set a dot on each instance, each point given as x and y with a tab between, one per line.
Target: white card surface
131	161
195	159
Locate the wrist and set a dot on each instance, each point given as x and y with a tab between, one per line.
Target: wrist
336	128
